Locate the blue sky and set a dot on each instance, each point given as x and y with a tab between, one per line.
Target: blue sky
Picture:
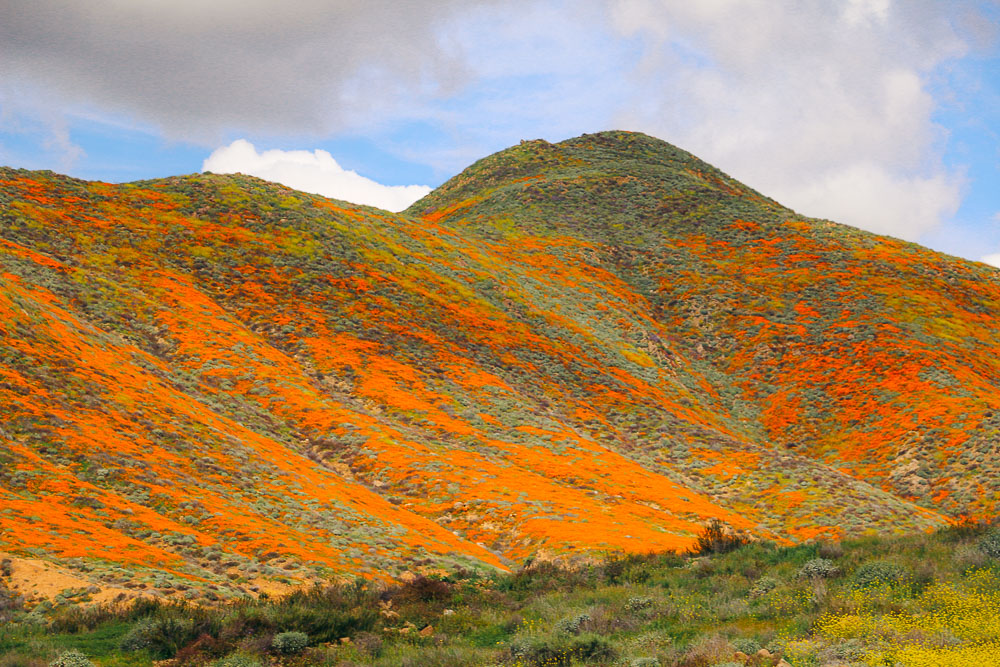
884	114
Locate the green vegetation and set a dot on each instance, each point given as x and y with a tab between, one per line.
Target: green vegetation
214	387
921	600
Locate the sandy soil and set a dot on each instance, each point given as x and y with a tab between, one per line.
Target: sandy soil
36	578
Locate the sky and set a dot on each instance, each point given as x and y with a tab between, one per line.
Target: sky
882	114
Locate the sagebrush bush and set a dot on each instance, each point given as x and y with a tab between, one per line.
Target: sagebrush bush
989	543
571	625
290	643
72	659
818	568
239	660
879	572
644	662
638	603
763	586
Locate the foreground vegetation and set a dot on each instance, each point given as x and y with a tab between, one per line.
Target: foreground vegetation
928	599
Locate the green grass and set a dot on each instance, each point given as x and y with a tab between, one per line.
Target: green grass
686	611
99	643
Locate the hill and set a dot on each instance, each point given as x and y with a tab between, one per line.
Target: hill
215	385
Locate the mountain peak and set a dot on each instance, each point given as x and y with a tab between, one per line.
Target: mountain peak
593	185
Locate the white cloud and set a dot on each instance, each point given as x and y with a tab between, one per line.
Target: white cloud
823	106
872	197
198	69
316	172
992	260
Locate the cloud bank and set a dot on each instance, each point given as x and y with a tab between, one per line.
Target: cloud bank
311	171
197	69
824	106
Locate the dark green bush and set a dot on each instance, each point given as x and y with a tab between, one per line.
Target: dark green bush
239	660
325	624
290	643
878	573
537	651
590	647
77	618
162	635
746	645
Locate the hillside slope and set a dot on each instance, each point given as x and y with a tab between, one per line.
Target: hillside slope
875	356
214	383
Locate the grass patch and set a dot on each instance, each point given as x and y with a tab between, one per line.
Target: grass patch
922	599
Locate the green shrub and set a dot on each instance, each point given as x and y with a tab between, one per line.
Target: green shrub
72	659
161	635
746	645
239	660
878	573
849	650
324	613
370	644
137	638
571	625
989	543
818	568
10	603
634	604
290	643
763	586
590	647
644	662
536	651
